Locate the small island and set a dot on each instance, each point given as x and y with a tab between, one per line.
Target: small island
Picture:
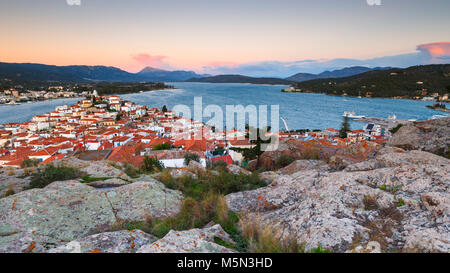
439	107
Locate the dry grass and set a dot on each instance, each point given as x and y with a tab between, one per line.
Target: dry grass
265	238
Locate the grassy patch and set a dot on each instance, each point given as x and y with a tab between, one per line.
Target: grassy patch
52	173
221	242
208	182
88	179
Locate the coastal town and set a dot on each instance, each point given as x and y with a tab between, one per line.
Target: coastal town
111	128
13	96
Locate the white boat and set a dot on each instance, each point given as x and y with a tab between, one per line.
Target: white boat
392	117
352	115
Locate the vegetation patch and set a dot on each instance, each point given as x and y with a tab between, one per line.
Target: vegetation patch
52	173
88	179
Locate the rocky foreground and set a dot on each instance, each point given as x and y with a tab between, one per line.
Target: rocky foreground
365	198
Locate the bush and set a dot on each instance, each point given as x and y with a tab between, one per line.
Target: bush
27	163
222	183
220	165
131	171
162	146
151	164
50	174
188	157
395	130
10	191
283	161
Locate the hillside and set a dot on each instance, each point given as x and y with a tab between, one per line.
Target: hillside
409	82
154	74
240	79
82	73
346	72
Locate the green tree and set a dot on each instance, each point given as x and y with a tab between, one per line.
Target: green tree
152	164
164	109
345	127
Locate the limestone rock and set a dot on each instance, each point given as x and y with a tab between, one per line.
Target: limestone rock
397	199
65	211
237	170
142	200
302	165
109	183
431	136
195	167
109	242
190	241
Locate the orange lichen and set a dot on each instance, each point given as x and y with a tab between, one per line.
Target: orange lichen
259	197
30	247
95	250
14	204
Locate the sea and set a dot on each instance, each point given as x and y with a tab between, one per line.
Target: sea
299	110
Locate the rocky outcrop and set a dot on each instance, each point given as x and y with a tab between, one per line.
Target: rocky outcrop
125	241
337	157
141	201
93	168
65	211
395	199
12	183
432	136
108	183
303	165
190	241
234	169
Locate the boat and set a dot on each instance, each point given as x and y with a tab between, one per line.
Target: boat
392	117
352	115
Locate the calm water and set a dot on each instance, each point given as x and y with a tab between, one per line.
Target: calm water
313	111
300	110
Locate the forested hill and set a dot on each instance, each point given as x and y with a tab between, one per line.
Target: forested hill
409	82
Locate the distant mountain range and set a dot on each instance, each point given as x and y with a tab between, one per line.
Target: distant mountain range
300	77
80	73
240	79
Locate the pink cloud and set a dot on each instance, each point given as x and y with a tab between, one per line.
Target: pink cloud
437	51
149	60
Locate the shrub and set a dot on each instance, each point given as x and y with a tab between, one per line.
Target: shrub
51	174
10	191
283	161
370	203
206	182
162	146
188	157
395	130
27	163
220	165
151	164
131	171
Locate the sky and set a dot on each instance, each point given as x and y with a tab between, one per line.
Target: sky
252	37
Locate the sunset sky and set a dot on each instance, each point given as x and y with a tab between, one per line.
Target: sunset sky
253	37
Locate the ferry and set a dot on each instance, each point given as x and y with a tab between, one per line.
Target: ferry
352	115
